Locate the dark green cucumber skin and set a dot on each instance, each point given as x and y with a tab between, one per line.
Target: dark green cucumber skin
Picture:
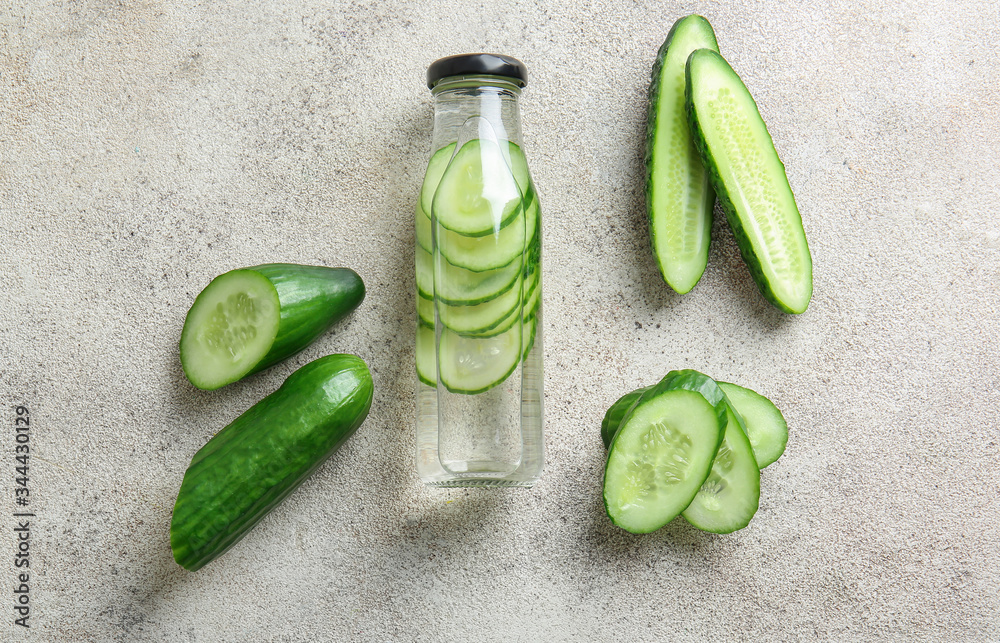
312	299
652	117
725	202
250	466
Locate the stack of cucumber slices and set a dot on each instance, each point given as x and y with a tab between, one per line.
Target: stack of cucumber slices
478	265
705	138
689	446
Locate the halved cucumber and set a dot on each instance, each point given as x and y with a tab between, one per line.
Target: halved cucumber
249	319
659	458
460	287
477	194
765	426
749	180
729	497
475	364
679	199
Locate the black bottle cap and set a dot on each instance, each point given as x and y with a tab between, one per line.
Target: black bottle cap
477	64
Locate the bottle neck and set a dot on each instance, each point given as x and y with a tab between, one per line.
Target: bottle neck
459	98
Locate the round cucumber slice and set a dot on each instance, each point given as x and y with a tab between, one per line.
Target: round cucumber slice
729	497
478	194
425	310
528	336
472	365
426	364
659	459
435	170
765	425
460	287
485	252
482	317
230	328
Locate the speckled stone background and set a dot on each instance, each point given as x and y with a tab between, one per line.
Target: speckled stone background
148	146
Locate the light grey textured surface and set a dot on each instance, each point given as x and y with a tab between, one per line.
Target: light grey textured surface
146	147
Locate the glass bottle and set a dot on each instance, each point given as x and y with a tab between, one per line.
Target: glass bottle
478	264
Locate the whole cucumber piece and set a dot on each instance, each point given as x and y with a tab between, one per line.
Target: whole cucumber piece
250	466
249	319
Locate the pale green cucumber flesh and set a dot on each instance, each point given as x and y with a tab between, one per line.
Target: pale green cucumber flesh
422	229
472	365
432	177
426	363
765	425
460	287
488	252
425	310
229	329
659	459
479	318
749	180
729	496
679	197
477	194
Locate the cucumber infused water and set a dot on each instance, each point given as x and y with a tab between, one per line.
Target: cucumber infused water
478	276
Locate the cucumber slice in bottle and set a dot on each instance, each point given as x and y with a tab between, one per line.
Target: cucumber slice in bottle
729	497
483	317
478	194
425	310
749	180
659	458
765	426
426	364
528	336
423	230
472	365
679	199
435	170
461	287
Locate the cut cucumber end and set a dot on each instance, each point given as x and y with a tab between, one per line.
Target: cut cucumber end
229	329
659	459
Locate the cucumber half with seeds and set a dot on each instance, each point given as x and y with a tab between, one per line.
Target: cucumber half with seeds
249	319
679	199
749	181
